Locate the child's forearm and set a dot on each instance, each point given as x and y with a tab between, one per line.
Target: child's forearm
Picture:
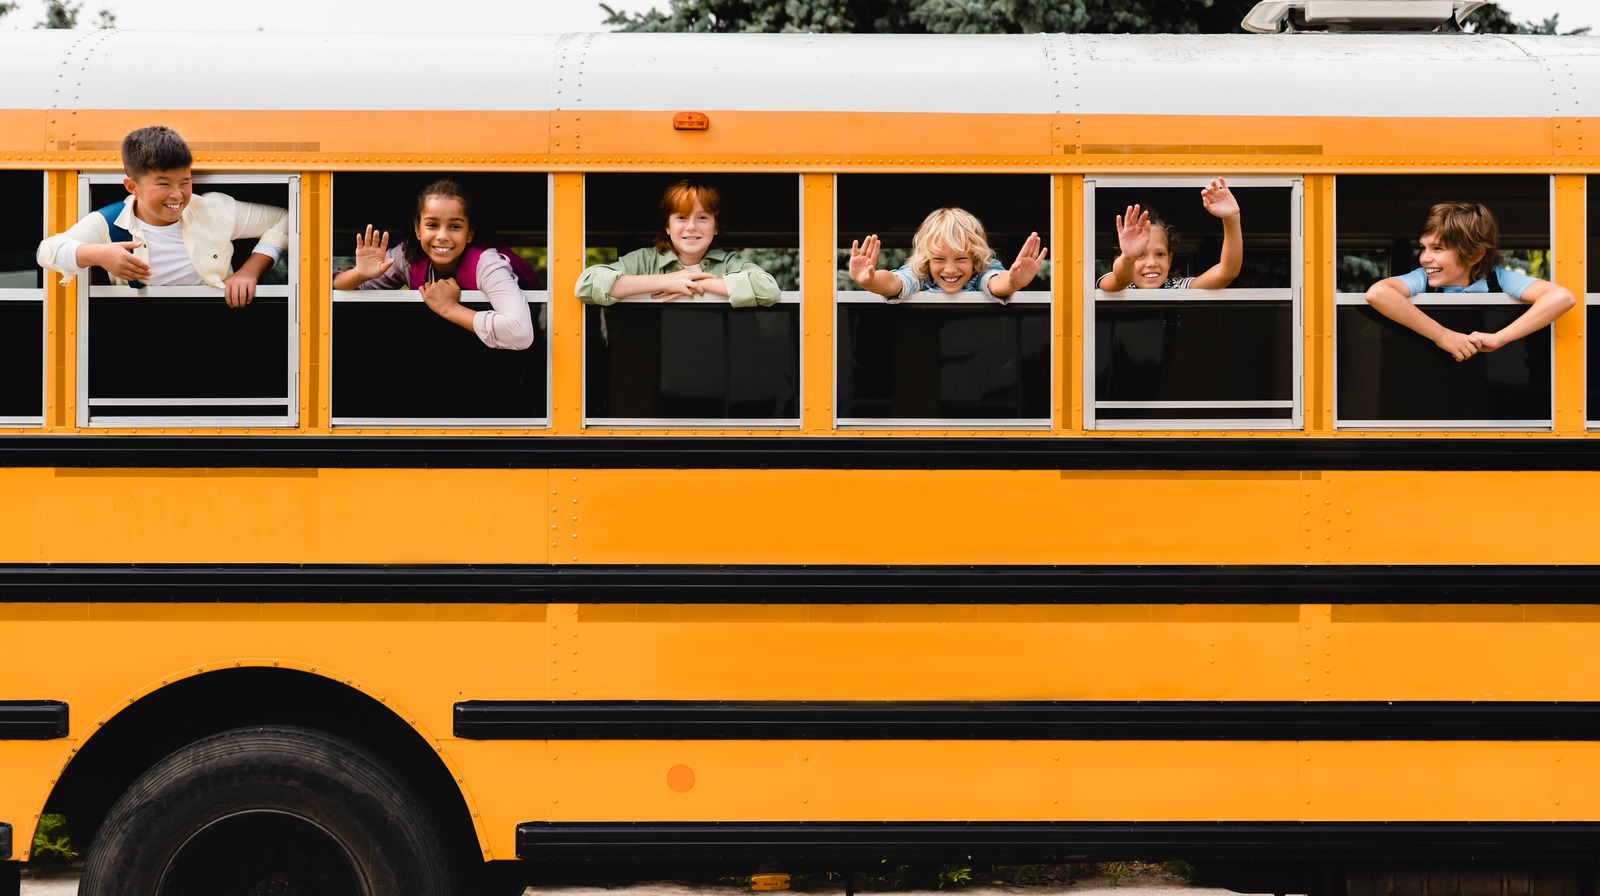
1232	248
883	283
350	279
1398	307
1553	303
1121	275
638	285
1003	284
257	264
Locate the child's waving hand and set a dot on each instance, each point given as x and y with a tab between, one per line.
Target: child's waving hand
1026	267
864	260
1133	231
371	254
1218	199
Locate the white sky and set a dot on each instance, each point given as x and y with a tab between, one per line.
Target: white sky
481	15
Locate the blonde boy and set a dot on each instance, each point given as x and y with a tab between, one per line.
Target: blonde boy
950	253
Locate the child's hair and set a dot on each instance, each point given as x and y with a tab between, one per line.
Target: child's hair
953	229
1157	224
679	200
155	148
1465	228
411	247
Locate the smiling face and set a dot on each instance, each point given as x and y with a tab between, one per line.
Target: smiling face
691	231
1444	267
1154	263
443	232
161	196
949	269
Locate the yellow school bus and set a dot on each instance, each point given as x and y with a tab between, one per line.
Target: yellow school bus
325	593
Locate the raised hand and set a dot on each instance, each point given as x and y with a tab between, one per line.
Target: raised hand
1026	267
864	260
1133	232
372	252
1218	199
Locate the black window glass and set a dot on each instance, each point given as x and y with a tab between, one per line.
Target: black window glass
1389	373
650	360
928	361
22	315
190	348
393	358
1211	350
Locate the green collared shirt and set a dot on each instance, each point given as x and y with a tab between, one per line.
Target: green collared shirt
747	284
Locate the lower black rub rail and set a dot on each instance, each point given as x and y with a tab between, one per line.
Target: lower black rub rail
32	719
1023	720
566	841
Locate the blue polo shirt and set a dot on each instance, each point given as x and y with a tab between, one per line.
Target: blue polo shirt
1512	282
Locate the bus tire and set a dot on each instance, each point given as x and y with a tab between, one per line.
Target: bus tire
267	810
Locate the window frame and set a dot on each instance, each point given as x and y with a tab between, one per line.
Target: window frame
290	292
843	297
1347	299
786	297
37	295
1294	293
536	298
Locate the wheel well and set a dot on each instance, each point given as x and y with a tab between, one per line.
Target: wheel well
188	710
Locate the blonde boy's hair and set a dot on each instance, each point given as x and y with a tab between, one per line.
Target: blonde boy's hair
952	229
1465	228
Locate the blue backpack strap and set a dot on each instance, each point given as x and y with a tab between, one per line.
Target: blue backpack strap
111	213
118	234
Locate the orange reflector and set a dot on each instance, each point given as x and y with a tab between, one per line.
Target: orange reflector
769	881
690	121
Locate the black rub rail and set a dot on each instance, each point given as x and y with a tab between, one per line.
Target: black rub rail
776	584
1037	840
1276	453
1024	720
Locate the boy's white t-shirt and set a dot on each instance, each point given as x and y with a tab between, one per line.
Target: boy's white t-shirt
170	265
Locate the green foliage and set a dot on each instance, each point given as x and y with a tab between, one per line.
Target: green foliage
938	16
1491	19
61	14
52	847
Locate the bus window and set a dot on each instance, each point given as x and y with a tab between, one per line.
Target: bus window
935	358
649	362
22	326
395	362
1591	299
1388	376
1213	358
168	355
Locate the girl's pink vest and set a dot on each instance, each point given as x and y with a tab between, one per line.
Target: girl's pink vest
467	270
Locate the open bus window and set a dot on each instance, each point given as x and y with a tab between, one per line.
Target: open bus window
937	358
178	354
650	362
397	363
1388	376
1196	358
22	308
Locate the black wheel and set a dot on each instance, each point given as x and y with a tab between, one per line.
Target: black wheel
258	811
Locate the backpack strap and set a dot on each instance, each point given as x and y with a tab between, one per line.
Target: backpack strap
118	234
111	213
